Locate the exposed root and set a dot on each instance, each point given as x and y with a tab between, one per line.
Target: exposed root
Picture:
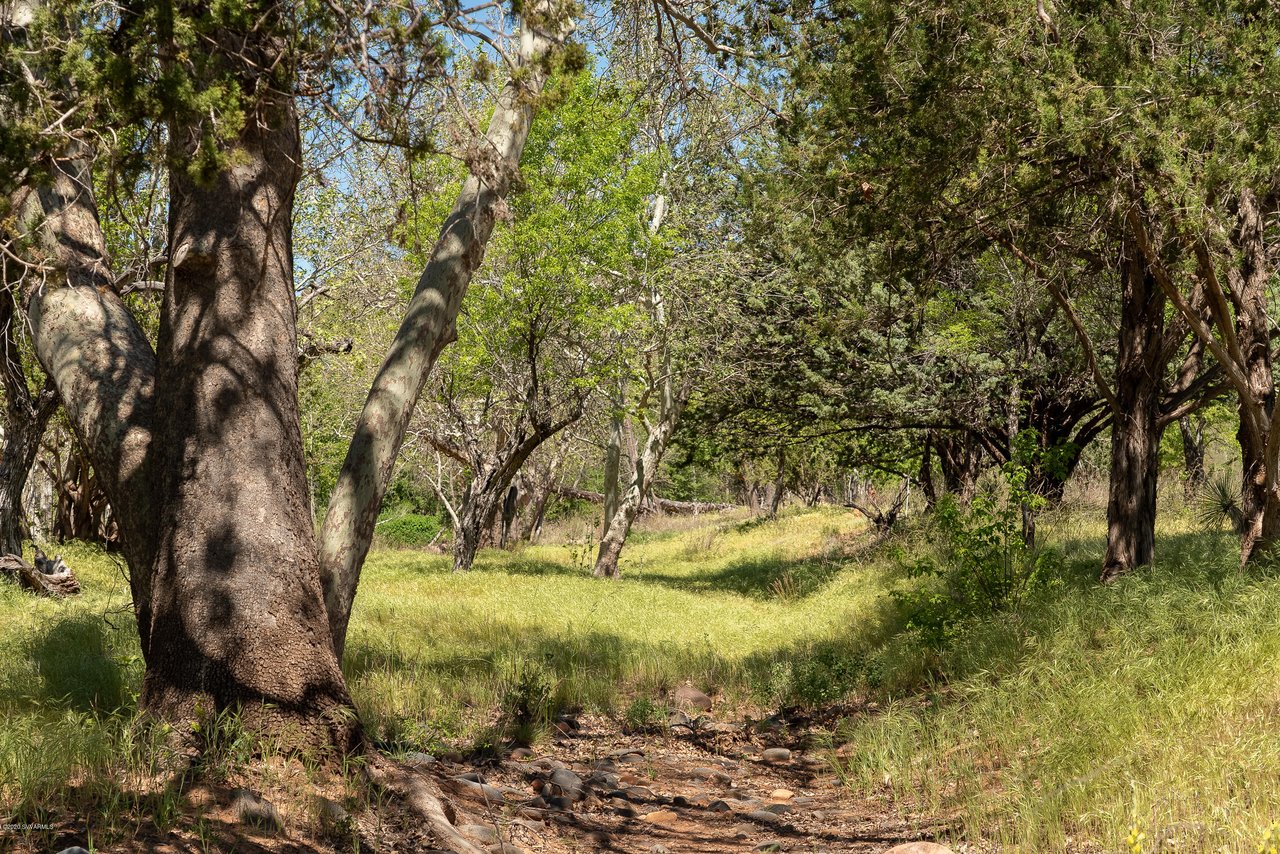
423	798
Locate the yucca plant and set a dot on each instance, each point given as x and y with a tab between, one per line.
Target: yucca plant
1220	501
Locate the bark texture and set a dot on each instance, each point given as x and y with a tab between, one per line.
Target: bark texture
428	327
1136	428
94	352
613	459
1239	338
960	459
1191	429
1258	435
493	476
26	417
237	609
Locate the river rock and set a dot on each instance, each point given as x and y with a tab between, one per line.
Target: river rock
567	783
776	754
711	774
482	833
662	818
689	697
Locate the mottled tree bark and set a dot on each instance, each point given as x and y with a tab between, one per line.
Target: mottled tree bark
428	326
26	417
671	406
237	609
94	352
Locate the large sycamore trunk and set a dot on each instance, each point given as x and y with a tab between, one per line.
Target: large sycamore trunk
428	324
237	611
1135	433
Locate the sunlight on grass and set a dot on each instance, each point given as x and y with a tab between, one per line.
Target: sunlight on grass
1152	704
429	645
1082	716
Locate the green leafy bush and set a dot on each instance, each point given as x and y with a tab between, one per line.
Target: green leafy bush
410	530
644	716
985	565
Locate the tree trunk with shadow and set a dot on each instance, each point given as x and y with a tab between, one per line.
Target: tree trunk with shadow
1136	429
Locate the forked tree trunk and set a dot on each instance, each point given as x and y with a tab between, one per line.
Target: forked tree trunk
1241	345
1257	436
670	408
484	495
1136	429
95	353
428	324
213	512
960	459
543	486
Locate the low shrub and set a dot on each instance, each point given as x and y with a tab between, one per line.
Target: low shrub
410	531
985	564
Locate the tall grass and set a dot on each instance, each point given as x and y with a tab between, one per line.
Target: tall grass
1078	719
431	654
1094	713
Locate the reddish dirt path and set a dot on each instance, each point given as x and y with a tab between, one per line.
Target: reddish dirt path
691	791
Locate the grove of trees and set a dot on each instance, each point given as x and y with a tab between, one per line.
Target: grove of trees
277	273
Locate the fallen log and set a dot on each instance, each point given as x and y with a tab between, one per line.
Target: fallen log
48	577
652	504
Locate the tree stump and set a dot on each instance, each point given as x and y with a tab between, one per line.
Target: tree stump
49	577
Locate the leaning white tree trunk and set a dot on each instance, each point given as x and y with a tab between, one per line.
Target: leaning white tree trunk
621	511
87	341
428	324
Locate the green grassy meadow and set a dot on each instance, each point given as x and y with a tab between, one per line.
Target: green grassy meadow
1079	719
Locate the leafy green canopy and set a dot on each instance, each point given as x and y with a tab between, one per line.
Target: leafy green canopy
555	295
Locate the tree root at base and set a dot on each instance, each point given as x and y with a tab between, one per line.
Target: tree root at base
423	798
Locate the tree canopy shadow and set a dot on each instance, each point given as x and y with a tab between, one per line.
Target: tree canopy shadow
770	576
